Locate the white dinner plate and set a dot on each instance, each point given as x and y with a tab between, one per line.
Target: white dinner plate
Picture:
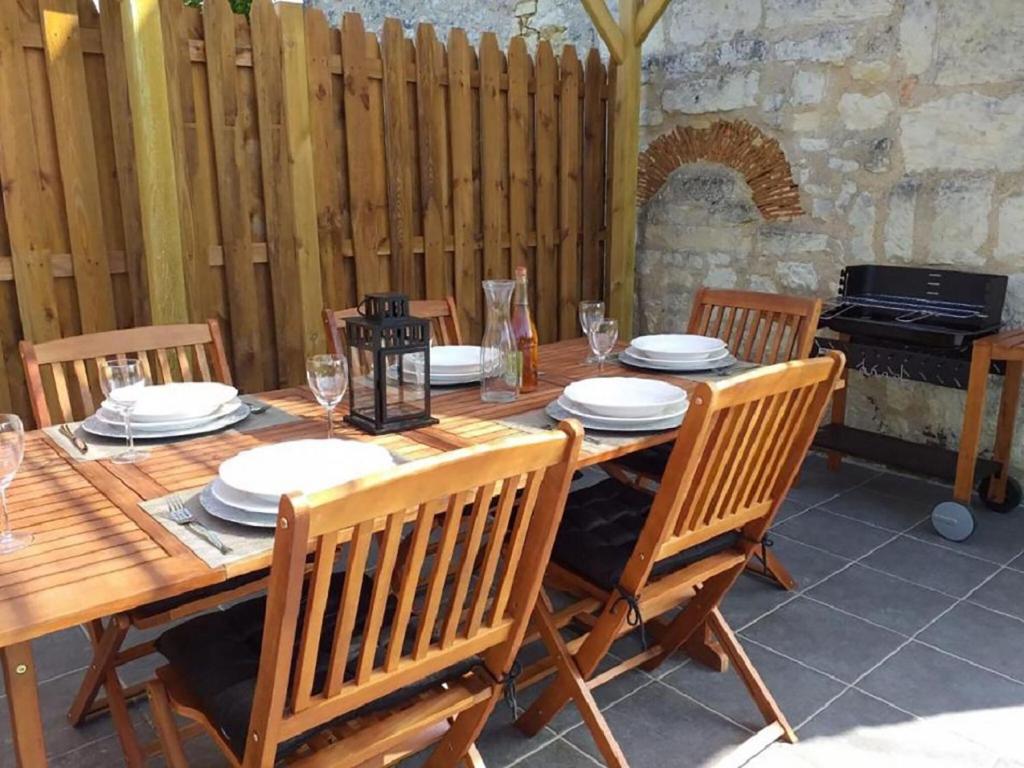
677	346
244	501
714	356
438	379
175	402
270	471
219	509
627	357
624	396
571	407
557	412
454	358
95	426
112	417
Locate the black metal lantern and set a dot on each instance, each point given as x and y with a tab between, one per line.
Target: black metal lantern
389	366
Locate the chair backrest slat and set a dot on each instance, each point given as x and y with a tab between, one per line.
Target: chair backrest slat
49	365
763	328
442	313
313	669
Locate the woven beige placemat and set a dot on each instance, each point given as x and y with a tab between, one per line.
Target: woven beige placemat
244	541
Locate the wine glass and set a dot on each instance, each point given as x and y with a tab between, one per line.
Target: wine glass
603	335
328	379
12	450
120	381
590	312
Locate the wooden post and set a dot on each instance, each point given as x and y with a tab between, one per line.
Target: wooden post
147	63
624	41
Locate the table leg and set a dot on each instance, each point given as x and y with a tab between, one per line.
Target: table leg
1004	430
23	703
835	458
970	437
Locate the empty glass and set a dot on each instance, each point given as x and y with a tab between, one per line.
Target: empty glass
499	355
12	450
603	335
328	379
123	376
590	312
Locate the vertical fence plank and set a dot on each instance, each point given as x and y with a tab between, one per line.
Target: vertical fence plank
305	234
569	173
491	140
460	127
593	205
547	196
398	132
519	153
431	133
65	69
20	181
236	234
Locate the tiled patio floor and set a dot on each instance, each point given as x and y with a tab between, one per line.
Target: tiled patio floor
899	649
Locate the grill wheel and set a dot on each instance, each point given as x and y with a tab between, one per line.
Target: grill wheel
1013	495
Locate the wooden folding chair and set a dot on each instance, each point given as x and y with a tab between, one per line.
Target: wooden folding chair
737	454
63	386
339	670
762	328
442	313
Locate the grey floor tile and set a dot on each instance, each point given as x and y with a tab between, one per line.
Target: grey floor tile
799	691
1003	592
806	564
751	598
943	569
657	725
853	709
982	636
896	513
817	483
835	534
898	605
954	695
558	754
824	638
996	537
104	753
501	742
788	509
920	489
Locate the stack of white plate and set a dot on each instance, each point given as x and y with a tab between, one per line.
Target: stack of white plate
249	486
622	404
678	352
455	364
169	410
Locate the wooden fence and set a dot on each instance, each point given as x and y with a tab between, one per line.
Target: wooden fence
386	162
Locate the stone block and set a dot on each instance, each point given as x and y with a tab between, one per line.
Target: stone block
1010	240
862	220
808	86
873	72
865	113
917	35
960	228
721	277
695	22
806	122
980	41
785	242
831	45
723	93
899	226
965	131
791	13
798	276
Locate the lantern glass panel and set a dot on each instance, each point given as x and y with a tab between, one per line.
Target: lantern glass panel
405	398
363	388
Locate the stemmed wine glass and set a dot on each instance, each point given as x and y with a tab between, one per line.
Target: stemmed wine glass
12	450
590	312
603	335
119	380
328	378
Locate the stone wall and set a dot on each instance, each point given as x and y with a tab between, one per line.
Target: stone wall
903	121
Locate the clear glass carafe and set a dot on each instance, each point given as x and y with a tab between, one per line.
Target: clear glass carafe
499	357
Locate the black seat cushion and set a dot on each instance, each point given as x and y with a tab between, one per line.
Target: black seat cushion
161	606
217	656
602	525
650	462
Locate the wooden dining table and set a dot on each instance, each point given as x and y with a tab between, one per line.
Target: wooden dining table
97	553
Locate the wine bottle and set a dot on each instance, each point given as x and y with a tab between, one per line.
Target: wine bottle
525	332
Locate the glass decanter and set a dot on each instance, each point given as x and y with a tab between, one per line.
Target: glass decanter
499	357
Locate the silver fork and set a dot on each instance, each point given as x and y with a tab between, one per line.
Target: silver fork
181	515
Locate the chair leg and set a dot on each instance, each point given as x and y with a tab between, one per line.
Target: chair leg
457	745
473	758
759	692
771	567
106	643
163	719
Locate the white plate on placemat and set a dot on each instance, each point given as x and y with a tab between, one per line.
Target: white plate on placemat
96	426
174	402
112	417
270	471
437	379
557	412
454	358
218	508
628	357
624	396
677	346
572	408
244	501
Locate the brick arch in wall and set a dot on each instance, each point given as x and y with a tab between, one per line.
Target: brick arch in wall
736	144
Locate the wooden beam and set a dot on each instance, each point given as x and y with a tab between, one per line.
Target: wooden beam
147	63
648	16
606	27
